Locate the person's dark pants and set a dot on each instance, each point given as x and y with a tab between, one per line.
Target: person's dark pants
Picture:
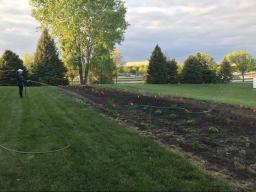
21	91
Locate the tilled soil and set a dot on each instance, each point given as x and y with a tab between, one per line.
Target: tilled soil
222	136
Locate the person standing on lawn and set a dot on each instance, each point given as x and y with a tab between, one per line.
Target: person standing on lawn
21	82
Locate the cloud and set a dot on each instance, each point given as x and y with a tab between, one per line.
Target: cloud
180	27
18	30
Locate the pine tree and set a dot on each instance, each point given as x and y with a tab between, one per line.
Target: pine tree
192	71
172	71
157	70
9	64
225	72
48	68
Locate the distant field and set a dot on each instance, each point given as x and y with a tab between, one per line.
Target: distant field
235	93
103	155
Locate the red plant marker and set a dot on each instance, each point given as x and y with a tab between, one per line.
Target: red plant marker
254	110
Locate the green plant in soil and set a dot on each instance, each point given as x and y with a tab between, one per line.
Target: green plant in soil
196	145
172	116
147	126
213	130
191	122
158	112
246	142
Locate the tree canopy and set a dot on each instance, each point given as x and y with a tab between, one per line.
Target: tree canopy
83	25
9	64
172	71
244	61
192	71
225	72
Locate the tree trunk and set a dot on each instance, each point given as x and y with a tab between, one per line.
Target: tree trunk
243	77
81	68
81	74
87	60
86	74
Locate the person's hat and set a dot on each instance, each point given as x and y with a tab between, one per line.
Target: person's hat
20	71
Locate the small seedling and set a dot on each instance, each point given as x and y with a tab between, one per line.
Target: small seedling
173	116
191	121
181	100
213	130
247	142
242	153
158	112
131	106
147	126
228	120
196	145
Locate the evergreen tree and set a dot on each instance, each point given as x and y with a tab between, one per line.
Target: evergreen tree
9	64
172	71
209	66
225	73
192	71
199	68
48	68
157	70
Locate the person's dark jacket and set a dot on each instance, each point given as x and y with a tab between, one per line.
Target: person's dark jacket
21	80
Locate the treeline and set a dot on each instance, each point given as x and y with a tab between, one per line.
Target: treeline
44	66
197	69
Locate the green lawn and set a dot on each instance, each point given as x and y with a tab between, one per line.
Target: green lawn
103	155
235	94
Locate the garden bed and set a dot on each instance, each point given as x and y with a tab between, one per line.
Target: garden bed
221	136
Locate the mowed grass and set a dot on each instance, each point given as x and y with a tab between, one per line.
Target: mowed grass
234	94
103	156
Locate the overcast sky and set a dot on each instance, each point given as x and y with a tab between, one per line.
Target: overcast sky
180	27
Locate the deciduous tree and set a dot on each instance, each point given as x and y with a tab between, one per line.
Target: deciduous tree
244	61
117	59
85	25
